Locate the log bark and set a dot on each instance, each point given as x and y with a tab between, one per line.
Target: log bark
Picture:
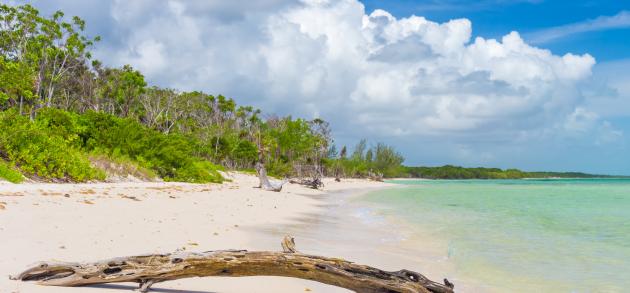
150	269
265	184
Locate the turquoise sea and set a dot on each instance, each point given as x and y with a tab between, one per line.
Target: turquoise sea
555	235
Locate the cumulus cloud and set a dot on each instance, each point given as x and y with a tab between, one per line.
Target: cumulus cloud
372	75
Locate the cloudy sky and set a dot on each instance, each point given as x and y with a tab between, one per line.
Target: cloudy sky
533	84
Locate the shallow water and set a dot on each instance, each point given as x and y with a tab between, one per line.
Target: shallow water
560	235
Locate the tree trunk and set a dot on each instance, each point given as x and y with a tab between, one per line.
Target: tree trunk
150	269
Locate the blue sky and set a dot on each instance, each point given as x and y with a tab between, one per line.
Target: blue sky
530	84
495	18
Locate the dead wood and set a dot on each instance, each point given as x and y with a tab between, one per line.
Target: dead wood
265	184
147	270
315	183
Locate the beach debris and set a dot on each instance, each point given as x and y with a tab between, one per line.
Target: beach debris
147	270
51	193
12	194
130	197
375	176
315	183
2	205
87	191
265	184
288	244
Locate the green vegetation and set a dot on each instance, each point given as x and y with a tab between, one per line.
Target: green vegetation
380	160
44	148
8	173
455	172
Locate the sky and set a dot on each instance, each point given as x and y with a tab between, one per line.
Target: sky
530	84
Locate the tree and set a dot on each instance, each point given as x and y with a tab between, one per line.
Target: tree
369	155
16	83
359	150
120	89
332	152
47	45
387	160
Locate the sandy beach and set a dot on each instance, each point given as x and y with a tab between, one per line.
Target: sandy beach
85	222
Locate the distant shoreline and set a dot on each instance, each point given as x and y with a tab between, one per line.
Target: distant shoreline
531	178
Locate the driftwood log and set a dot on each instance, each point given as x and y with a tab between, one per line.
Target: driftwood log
150	269
375	176
265	184
314	183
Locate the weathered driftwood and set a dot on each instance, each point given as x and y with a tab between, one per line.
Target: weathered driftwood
150	269
265	184
314	183
375	176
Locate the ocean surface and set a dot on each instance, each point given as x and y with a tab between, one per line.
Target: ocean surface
556	235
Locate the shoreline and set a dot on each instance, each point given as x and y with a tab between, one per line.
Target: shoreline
92	221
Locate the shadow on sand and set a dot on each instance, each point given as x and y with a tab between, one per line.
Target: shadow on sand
153	289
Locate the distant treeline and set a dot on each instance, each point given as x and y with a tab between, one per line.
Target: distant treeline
456	172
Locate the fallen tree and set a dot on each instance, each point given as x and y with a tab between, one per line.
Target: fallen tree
265	184
315	183
150	269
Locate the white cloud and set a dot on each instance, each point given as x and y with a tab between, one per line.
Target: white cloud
619	20
581	120
372	75
330	58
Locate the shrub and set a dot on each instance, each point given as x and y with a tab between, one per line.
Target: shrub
197	172
9	173
121	166
39	150
171	156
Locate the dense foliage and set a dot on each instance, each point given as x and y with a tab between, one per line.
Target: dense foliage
43	149
379	160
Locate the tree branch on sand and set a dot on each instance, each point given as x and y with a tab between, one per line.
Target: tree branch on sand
147	270
265	184
315	183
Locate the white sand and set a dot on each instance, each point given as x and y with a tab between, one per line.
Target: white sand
84	222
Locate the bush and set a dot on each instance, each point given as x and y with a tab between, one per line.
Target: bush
198	172
9	173
56	146
41	150
121	166
172	156
279	169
